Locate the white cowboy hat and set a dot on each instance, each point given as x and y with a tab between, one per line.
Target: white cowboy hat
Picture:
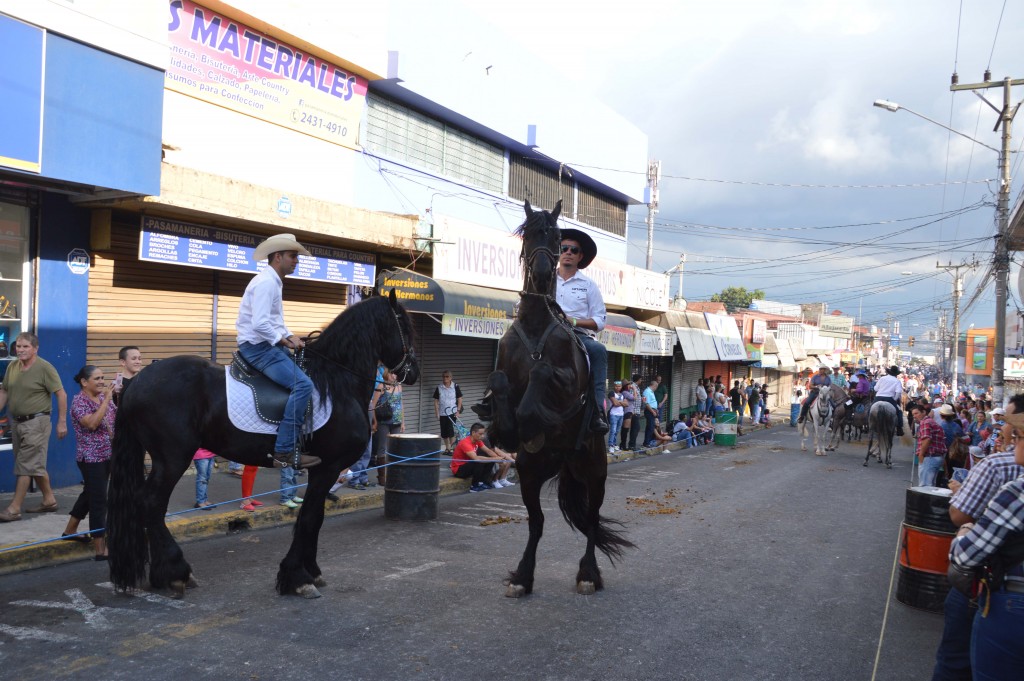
277	243
946	410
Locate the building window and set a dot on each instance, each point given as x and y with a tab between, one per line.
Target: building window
14	272
407	135
541	186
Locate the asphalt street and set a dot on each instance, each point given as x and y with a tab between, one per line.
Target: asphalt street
754	562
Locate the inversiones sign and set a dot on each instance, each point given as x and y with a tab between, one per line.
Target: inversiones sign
181	243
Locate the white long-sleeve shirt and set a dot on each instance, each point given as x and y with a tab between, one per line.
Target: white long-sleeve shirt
579	297
889	386
261	314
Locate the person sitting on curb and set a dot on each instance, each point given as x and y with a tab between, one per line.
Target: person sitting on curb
469	462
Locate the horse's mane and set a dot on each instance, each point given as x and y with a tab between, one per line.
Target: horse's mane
535	222
343	357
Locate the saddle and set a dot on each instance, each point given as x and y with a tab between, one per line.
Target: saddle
269	397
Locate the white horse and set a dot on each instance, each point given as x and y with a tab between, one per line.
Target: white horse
820	415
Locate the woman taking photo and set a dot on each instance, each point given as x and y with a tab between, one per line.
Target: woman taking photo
392	396
92	416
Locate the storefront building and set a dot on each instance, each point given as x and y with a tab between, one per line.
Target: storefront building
62	143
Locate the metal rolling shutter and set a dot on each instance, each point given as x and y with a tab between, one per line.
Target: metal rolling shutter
166	310
690	373
470	361
780	391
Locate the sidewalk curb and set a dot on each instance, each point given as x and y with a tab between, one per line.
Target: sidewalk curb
192	527
198	524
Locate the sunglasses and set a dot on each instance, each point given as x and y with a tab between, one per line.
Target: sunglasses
575	250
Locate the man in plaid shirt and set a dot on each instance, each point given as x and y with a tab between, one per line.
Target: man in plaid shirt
931	447
987	477
996	651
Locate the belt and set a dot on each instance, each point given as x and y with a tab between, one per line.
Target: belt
29	417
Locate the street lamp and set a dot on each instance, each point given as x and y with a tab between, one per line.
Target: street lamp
1001	263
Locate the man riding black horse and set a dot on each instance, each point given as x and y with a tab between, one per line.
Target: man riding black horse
583	305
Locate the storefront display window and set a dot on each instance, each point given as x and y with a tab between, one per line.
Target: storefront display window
14	221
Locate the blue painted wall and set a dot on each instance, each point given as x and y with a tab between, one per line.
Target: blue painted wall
102	118
61	313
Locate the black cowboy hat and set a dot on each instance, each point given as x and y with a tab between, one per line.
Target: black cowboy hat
894	370
586	243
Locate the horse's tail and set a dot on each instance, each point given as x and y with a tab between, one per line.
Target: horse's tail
126	535
573	501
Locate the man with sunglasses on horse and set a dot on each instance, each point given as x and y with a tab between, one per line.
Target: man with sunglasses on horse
583	304
266	343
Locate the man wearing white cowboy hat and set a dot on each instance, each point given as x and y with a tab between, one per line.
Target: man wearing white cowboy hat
583	304
889	389
265	342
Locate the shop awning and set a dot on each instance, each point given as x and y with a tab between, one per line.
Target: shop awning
654	341
785	355
465	310
768	361
797	346
619	334
697	344
726	337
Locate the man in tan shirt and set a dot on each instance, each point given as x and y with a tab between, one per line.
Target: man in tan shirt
28	388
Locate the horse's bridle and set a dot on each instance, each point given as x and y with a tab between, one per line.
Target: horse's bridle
528	261
406	364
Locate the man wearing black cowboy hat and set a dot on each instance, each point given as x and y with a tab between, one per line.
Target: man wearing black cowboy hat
889	389
583	304
265	342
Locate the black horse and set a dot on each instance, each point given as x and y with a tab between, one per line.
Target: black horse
180	404
540	401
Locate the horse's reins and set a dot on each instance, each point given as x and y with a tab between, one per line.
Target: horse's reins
558	318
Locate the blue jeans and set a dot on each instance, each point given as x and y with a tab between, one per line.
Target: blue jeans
615	425
287	484
709	405
276	364
683	435
648	428
598	355
357	473
927	471
203	469
953	658
996	650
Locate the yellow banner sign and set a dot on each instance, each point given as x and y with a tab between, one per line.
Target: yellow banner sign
229	64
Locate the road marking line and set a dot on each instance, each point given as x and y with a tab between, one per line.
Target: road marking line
405	572
31	634
80	603
472	527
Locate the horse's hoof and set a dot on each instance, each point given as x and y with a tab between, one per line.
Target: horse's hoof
585	588
865	464
803	449
319	581
889	466
307	591
177	588
515	591
192	582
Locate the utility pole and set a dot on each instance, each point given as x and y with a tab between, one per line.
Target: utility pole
889	331
941	332
653	176
677	301
958	290
1001	264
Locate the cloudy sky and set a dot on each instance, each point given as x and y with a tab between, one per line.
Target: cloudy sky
778	173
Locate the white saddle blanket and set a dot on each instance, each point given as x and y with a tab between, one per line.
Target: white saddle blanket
242	409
